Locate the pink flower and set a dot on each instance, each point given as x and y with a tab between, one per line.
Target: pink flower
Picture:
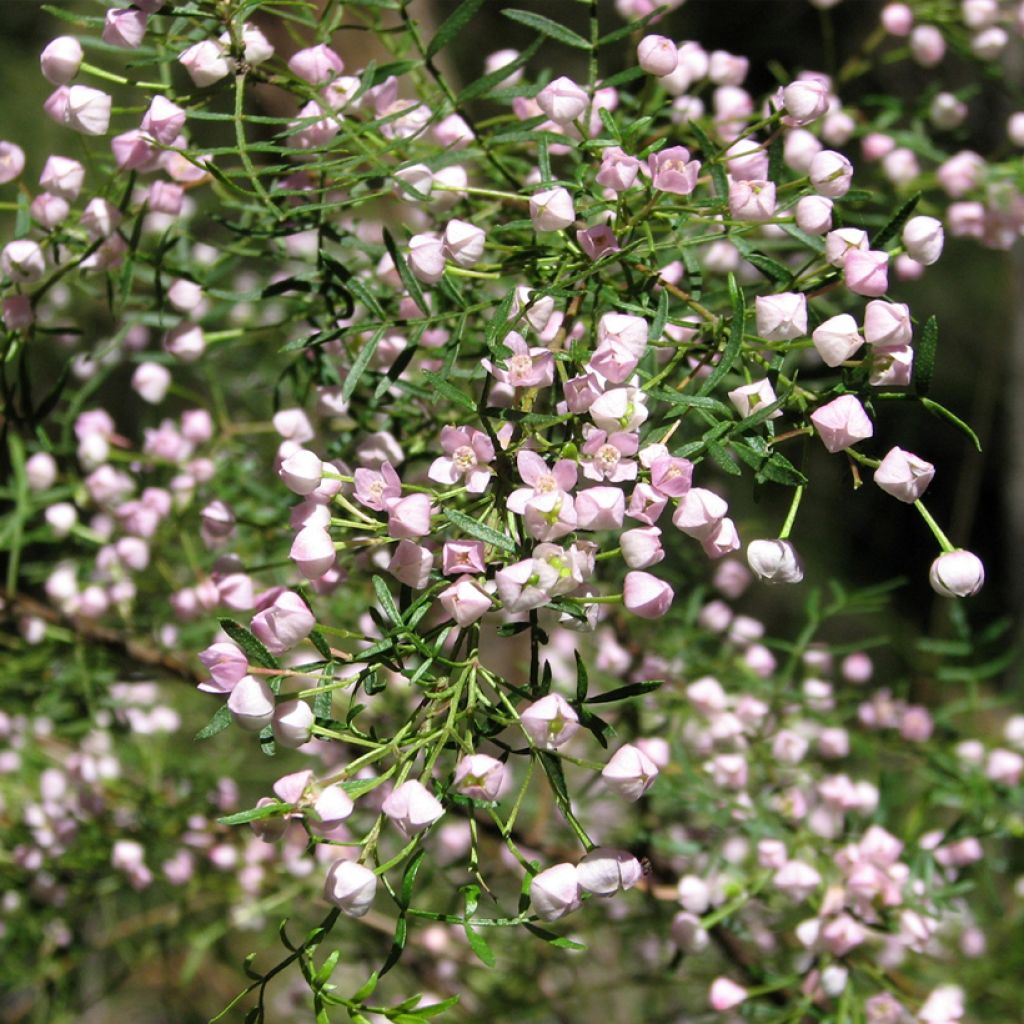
600	508
830	173
657	55
350	887
375	489
463	243
722	540
281	626
411	564
552	210
555	892
526	367
409	517
526	584
540	479
597	241
957	574
412	807
479	777
206	62
605	871
673	171
226	664
608	456
316	64
618	170
781	317
550	722
699	512
842	423
12	162
467	454
814	214
805	100
887	323
293	723
562	100
775	561
646	596
465	601
752	200
301	471
61	59
125	27
725	994
752	398
646	504
904	475
836	339
629	772
866	273
641	547
312	552
163	120
462	556
251	703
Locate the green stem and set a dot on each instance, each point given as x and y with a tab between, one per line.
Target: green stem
794	505
944	542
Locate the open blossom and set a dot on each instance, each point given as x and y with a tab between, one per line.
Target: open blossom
479	777
465	601
527	584
468	453
618	170
608	456
550	722
540	479
375	489
526	367
672	170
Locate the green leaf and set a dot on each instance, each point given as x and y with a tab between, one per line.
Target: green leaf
386	601
478	530
626	692
553	769
485	83
479	945
397	945
251	647
691	401
316	638
450	391
582	680
924	358
547	27
453	25
735	342
220	721
367	989
409	878
720	456
558	941
360	363
254	814
895	224
943	413
710	152
412	286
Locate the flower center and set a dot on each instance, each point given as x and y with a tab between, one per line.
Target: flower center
546	484
520	365
607	456
464	457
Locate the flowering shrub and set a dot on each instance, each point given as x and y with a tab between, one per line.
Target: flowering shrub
515	341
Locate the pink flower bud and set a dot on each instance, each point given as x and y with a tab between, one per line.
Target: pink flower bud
774	561
903	475
552	210
960	173
313	552
605	871
891	366
600	508
752	398
316	64
562	100
805	100
150	381
842	423
479	777
752	200
555	892
12	162
302	471
646	596
796	880
923	239
206	62
837	339
62	177
830	173
725	994
226	665
293	723
699	513
49	210
23	261
331	807
550	722
814	214
411	564
957	574
618	170
927	46
124	27
412	807
464	601
251	703
688	934
40	471
410	517
281	626
897	19
657	55
61	59
866	273
426	258
463	243
350	887
1004	766
641	547
781	317
163	120
629	772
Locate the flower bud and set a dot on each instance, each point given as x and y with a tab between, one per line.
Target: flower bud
550	722
646	596
903	475
316	64
150	382
124	27
206	62
830	173
927	45
12	162
61	59
464	601
350	887
555	892
332	807
605	871
805	100
562	100
87	110
479	777
657	55
426	258
957	574
412	807
774	561
463	243
641	547
837	339
781	317
312	551
251	703
552	210
814	214
725	994
40	471
281	626
923	238
629	772
302	471
842	423
293	723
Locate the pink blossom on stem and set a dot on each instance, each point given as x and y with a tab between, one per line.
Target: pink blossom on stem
468	453
842	423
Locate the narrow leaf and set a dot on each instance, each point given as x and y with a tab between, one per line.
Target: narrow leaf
943	413
251	647
924	358
412	286
735	342
453	25
478	530
626	692
220	721
386	601
360	363
479	945
547	27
